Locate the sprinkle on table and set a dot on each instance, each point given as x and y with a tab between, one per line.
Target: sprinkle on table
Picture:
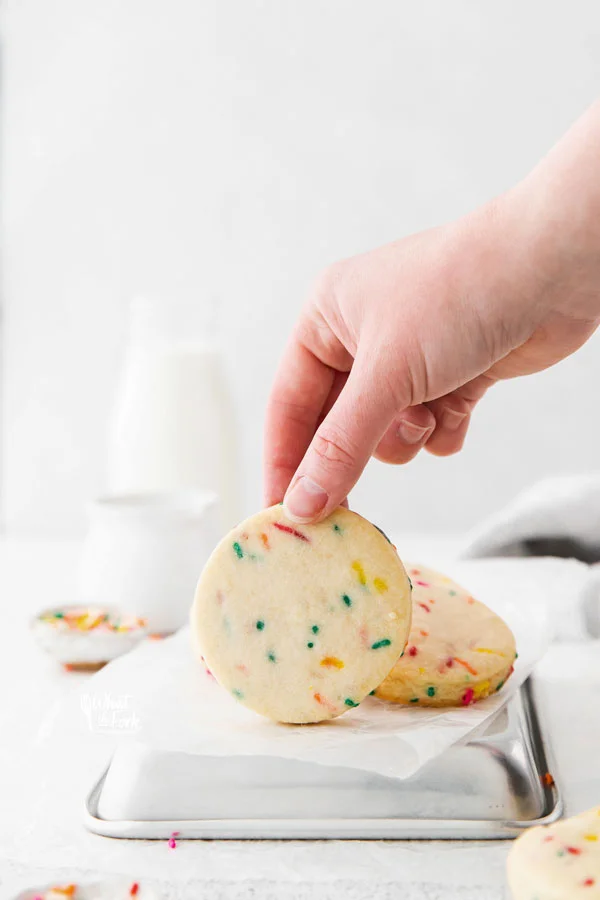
172	841
547	779
134	889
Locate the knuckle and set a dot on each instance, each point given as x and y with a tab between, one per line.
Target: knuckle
327	284
334	448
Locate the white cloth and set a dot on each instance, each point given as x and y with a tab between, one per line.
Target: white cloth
559	518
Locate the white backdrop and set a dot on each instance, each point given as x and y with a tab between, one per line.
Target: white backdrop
227	150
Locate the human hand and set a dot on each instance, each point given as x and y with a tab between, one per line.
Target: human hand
395	347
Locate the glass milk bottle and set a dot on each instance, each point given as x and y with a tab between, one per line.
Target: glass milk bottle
172	428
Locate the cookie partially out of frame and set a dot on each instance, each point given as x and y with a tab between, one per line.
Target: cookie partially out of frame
458	650
301	622
559	861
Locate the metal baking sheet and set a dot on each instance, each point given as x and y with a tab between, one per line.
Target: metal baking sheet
491	788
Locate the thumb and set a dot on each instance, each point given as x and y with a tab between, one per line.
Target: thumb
341	447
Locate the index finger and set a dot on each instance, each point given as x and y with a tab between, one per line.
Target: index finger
301	387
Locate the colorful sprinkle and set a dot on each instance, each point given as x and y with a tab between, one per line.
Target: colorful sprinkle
423	633
349	702
499	686
468	697
414	700
423	584
357	567
547	779
271	657
310	645
371	693
487	650
482	690
431	692
134	889
452	593
380	585
265	540
423	606
384	642
332	662
590	837
315	629
287	529
589	882
548	838
324	702
238	694
468	667
574	851
238	550
346	599
450	662
412	651
172	842
260	625
337	528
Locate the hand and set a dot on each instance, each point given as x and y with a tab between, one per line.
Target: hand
395	347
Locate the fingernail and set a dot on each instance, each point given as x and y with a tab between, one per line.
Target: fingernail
452	420
411	433
304	500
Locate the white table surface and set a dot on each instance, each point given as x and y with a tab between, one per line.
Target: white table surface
35	575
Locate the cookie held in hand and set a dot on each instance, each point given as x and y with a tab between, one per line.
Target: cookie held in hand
301	622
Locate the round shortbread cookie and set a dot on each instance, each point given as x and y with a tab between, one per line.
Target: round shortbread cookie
458	650
301	622
558	862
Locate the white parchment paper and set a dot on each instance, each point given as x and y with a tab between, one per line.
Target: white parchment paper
161	695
